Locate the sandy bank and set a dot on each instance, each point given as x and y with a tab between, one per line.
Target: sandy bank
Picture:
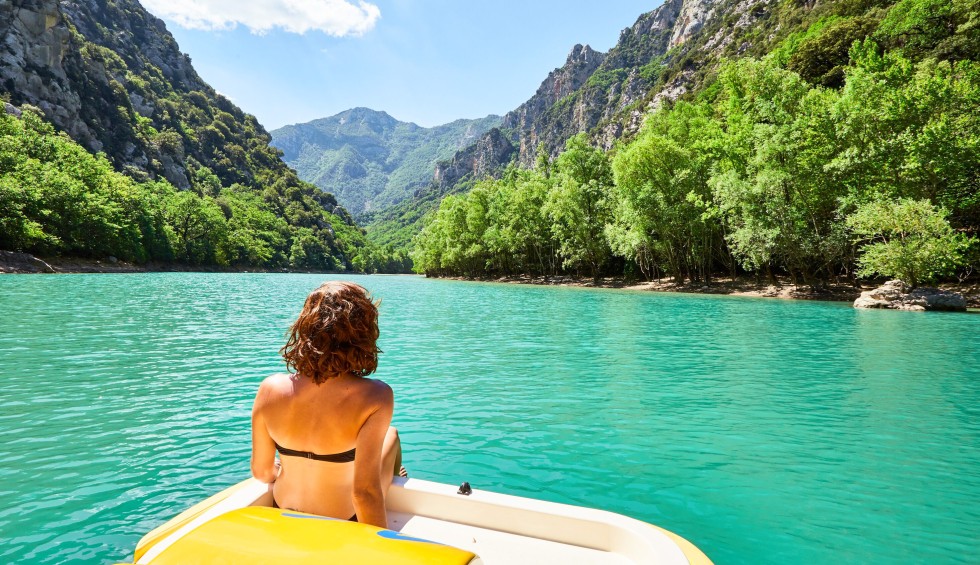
743	286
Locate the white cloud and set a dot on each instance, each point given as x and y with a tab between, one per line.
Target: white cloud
333	17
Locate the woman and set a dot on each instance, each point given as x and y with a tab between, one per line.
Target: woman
330	424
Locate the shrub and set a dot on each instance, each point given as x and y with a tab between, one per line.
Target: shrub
908	239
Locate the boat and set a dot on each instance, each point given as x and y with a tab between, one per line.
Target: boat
428	523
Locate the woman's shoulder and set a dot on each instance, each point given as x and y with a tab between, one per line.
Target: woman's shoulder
377	390
277	380
276	384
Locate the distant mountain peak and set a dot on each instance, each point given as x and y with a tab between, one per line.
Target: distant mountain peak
369	159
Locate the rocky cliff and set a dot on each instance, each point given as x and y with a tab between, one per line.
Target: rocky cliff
110	75
664	55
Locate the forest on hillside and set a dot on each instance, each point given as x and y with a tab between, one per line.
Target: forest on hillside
56	198
118	148
852	149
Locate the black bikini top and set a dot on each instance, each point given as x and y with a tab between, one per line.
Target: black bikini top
345	457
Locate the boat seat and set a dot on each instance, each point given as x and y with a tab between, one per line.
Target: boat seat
258	534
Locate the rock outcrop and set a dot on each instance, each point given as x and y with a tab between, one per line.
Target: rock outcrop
607	94
14	262
111	76
479	160
897	295
690	20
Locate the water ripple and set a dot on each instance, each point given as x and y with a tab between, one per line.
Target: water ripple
765	431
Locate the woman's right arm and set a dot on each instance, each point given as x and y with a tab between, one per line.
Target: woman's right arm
368	495
263	447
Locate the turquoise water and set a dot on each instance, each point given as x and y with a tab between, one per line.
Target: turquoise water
764	431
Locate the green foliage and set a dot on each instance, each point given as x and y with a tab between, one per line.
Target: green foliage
651	71
777	204
256	236
944	29
579	206
373	259
782	52
908	239
918	25
771	172
498	227
603	79
198	227
56	198
822	59
661	192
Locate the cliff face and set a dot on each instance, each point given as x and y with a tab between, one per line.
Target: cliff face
561	83
662	56
370	160
589	89
111	76
478	160
36	40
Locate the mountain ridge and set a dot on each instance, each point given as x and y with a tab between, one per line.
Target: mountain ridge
370	159
110	76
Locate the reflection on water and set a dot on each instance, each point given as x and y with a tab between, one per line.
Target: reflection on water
764	431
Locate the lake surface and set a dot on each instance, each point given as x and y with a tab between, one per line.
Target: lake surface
764	431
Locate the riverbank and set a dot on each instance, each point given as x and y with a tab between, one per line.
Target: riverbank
24	263
739	286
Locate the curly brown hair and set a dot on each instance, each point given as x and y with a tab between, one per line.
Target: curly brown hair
335	334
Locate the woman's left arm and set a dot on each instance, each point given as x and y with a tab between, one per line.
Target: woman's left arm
264	467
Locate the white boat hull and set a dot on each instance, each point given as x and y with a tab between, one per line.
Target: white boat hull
500	529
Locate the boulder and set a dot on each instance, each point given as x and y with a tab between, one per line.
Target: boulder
897	295
15	262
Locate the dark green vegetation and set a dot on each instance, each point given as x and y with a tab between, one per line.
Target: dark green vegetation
851	148
370	160
200	185
57	198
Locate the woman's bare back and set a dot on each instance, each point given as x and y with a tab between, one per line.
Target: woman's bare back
323	419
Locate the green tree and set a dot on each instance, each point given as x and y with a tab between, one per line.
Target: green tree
908	239
198	226
778	204
662	193
579	205
254	235
910	130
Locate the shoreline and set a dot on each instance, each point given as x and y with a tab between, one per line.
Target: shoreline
15	263
23	263
739	286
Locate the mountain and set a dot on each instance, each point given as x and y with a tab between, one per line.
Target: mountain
590	89
603	94
110	76
370	160
811	140
669	53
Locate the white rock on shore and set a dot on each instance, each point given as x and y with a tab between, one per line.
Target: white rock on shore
897	295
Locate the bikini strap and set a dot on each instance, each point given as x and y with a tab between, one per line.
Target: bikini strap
345	457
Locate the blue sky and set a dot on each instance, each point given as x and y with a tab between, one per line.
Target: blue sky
423	61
